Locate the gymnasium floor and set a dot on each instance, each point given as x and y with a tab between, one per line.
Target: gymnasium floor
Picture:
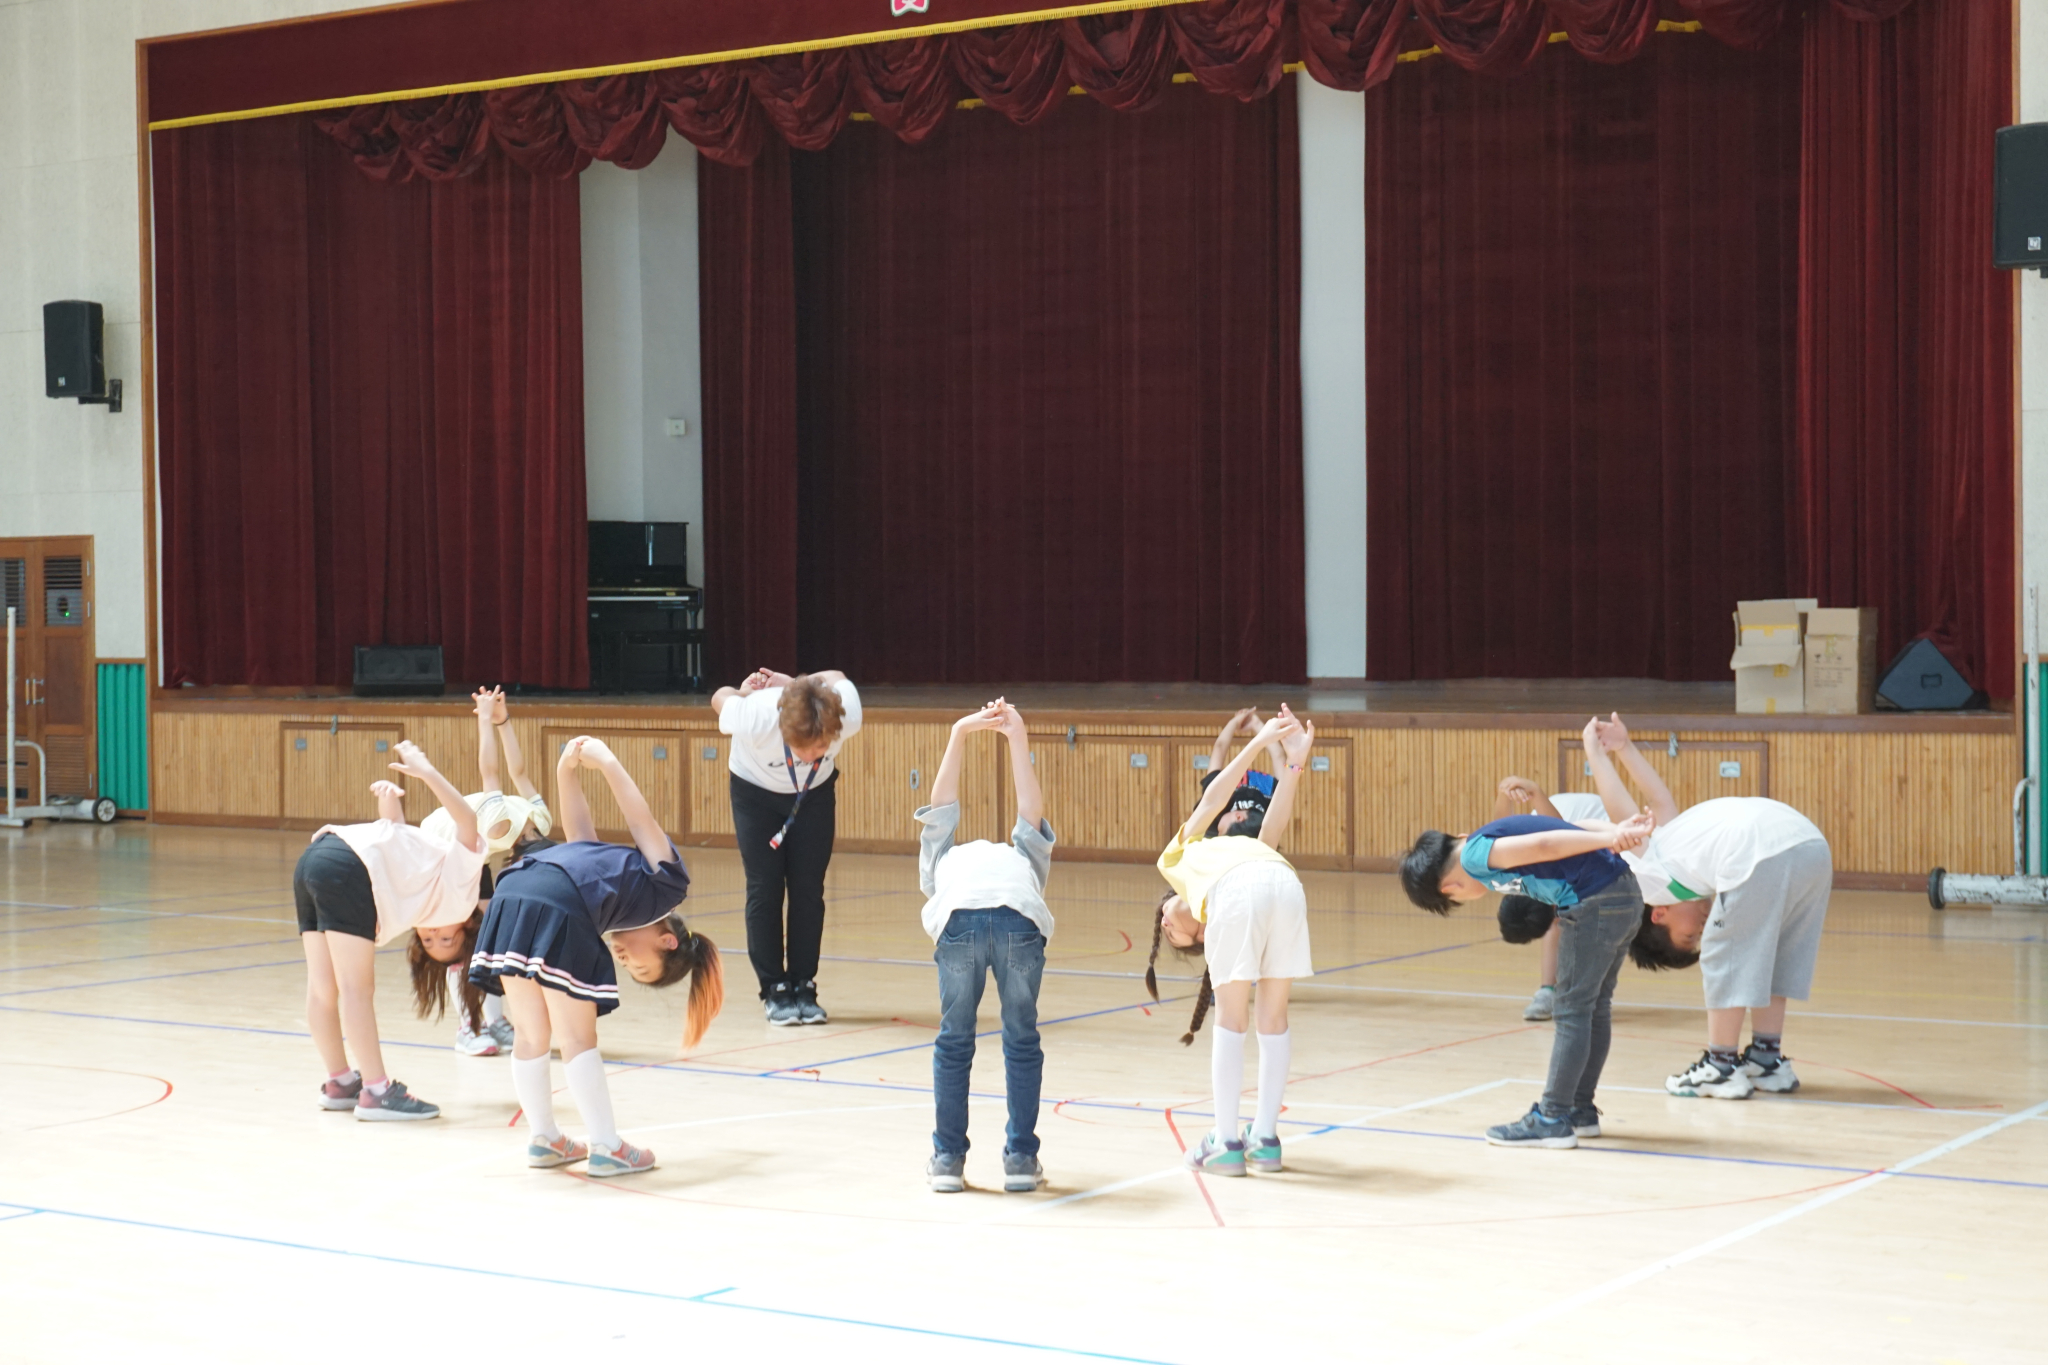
172	1192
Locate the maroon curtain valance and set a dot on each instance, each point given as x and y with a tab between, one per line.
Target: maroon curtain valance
1125	60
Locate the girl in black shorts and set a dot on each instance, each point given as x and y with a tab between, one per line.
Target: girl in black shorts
542	947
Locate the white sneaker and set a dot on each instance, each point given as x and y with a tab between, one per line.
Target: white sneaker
475	1044
501	1030
1709	1079
1775	1076
1540	1005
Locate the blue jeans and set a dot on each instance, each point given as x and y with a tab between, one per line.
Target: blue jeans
976	942
1597	933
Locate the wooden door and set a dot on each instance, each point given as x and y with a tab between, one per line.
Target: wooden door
49	584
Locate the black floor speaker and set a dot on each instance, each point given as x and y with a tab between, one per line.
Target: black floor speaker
1921	678
399	671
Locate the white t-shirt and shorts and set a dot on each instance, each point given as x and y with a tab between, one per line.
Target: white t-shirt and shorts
1771	871
1251	902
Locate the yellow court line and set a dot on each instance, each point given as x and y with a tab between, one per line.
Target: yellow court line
670	63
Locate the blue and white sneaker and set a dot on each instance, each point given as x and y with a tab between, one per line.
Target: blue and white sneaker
1585	1121
627	1160
1533	1129
1261	1154
1772	1073
1712	1080
559	1151
1217	1157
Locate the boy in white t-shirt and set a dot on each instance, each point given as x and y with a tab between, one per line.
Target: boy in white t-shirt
985	909
1739	885
1523	919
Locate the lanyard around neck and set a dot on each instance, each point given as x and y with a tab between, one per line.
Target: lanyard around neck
789	763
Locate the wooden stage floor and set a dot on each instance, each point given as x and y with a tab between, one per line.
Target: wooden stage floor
172	1193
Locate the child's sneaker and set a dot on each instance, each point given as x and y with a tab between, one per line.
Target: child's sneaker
395	1105
501	1033
1533	1129
1585	1121
627	1160
1217	1157
338	1096
475	1044
1022	1174
946	1172
1772	1073
1709	1079
559	1151
1261	1153
1541	1005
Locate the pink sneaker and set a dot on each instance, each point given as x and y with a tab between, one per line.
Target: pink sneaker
561	1151
627	1160
336	1096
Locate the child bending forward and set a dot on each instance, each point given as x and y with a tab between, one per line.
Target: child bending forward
986	911
1236	900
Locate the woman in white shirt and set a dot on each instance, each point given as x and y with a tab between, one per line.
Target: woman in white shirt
786	732
359	886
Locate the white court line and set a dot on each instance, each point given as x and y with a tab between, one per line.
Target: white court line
1495	1336
1180	1168
1656	1005
1775	1099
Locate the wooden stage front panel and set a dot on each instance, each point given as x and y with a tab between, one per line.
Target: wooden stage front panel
1896	795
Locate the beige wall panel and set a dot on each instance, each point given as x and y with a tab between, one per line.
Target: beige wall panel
1098	800
221	765
707	753
327	770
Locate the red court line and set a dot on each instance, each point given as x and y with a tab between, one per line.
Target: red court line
1114	952
104	1071
1438	1047
1200	1184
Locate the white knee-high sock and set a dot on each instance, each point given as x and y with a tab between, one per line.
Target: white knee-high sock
1226	1077
494	1009
535	1083
593	1095
1276	1051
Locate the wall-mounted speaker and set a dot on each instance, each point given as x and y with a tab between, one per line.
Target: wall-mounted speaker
1922	678
399	671
74	349
2020	211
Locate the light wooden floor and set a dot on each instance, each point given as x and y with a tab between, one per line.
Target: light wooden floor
172	1192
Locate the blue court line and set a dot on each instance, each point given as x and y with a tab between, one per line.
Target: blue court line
897	1087
1114	1009
12	1216
709	1299
130	957
95	924
166	976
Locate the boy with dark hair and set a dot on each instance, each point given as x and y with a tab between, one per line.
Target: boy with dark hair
1579	871
1739	885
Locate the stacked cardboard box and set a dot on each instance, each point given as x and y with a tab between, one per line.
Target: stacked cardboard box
1794	656
1841	661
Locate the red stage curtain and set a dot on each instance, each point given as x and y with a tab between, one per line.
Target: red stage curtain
371	414
1579	320
1048	398
1905	331
747	288
1126	60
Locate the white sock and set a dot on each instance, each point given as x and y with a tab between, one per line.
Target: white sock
593	1094
1226	1077
534	1082
494	1009
1276	1050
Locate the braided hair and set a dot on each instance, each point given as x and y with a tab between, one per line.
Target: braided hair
1205	994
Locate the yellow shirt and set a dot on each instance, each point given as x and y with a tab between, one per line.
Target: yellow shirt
1193	866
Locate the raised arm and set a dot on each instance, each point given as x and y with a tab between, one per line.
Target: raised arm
413	763
946	781
1613	795
749	685
1520	850
1614	738
390	803
1216	795
486	738
1295	742
574	812
1023	775
1245	722
515	761
648	835
1520	791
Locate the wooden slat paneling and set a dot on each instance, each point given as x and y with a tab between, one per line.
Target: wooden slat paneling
327	771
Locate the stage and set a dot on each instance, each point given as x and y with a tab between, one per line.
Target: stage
1896	794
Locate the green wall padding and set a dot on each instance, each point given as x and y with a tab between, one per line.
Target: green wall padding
124	736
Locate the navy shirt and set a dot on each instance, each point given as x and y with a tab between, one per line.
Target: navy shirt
1563	882
619	890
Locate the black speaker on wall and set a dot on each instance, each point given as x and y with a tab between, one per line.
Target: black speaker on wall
399	671
2020	212
74	349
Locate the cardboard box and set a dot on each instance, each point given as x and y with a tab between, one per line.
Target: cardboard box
1841	661
1770	656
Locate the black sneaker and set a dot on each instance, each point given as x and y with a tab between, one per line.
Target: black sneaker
808	1010
780	1004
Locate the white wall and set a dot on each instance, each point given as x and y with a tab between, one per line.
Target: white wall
1333	375
68	216
640	346
2033	378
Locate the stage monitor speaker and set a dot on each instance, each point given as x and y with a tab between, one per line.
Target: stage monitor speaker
2020	201
1921	678
74	349
398	671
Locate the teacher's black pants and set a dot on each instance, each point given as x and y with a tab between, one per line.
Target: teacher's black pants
796	870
